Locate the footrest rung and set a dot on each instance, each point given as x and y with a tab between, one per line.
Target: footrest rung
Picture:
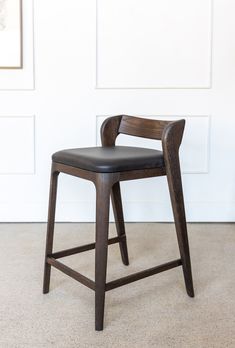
82	248
115	283
143	274
70	272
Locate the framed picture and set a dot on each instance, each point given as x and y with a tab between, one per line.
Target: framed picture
11	55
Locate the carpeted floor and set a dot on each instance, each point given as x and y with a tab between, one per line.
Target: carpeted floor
153	312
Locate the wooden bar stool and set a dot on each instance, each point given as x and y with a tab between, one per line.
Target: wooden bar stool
106	166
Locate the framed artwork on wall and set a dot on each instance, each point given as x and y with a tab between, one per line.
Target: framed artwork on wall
11	55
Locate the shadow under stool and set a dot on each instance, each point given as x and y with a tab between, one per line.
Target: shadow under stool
106	166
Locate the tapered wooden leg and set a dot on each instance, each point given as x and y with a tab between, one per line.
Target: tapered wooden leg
177	200
103	191
119	220
50	229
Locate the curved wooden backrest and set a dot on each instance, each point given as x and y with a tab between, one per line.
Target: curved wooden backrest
170	133
142	127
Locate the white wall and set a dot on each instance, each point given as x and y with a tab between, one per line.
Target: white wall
86	60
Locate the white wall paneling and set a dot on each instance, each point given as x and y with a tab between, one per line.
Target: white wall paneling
22	79
108	57
17	148
154	43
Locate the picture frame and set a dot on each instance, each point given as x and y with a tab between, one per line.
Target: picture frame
11	34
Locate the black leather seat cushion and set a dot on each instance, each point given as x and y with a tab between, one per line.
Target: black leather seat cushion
110	159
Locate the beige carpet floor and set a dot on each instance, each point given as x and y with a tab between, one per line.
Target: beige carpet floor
154	312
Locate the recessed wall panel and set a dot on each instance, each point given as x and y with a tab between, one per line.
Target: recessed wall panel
16	145
154	43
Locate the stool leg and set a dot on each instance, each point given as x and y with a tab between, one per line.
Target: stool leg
103	191
119	220
50	229
177	200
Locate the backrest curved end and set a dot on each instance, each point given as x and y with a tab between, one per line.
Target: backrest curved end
109	130
173	133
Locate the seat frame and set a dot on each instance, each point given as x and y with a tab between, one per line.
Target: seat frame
108	185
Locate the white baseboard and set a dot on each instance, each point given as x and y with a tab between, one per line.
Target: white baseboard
133	212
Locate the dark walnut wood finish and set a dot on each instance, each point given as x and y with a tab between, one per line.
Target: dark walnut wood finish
108	185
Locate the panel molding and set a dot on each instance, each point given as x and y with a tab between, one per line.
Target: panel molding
210	85
23	172
206	169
